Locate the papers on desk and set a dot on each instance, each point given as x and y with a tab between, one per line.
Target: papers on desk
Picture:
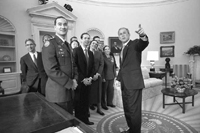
70	130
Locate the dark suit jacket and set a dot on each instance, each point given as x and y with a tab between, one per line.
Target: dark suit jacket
31	73
58	63
84	70
130	70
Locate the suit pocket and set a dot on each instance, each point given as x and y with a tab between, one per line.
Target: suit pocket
64	59
61	60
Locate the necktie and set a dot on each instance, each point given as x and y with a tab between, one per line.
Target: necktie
34	59
122	52
67	44
86	55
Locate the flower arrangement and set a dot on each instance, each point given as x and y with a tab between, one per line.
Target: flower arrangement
193	50
181	84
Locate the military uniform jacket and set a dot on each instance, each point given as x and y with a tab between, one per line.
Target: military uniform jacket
60	68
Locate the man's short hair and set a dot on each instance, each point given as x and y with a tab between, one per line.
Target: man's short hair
95	37
59	18
123	28
29	39
85	33
74	37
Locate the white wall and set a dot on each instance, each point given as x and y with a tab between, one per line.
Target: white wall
181	17
15	12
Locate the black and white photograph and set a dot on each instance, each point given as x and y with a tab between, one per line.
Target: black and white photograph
99	66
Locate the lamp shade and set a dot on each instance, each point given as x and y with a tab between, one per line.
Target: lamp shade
152	55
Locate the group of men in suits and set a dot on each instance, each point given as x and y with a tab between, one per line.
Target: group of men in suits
67	75
64	77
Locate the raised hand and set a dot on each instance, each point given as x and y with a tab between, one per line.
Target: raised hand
140	31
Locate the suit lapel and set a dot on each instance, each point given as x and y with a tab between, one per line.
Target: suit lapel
31	61
82	54
68	48
63	44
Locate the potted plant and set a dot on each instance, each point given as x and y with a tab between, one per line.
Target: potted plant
195	50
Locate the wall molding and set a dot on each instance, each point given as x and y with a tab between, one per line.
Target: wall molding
96	32
128	3
42	21
6	25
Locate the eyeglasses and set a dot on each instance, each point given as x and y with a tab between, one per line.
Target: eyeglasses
29	44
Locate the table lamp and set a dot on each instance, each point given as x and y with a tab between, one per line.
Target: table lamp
152	56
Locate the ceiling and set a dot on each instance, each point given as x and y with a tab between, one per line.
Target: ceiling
128	3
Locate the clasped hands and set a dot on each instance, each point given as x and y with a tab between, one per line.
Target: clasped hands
87	81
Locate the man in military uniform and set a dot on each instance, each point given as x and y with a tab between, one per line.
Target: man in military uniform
60	68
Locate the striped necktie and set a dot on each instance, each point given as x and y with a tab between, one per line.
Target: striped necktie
34	59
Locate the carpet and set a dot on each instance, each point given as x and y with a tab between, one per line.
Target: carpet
151	123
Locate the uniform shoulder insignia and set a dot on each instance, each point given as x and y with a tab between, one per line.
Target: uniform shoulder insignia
47	43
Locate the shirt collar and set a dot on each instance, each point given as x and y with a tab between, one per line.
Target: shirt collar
60	37
33	54
126	43
83	48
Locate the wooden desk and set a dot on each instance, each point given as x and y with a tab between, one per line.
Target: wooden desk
30	112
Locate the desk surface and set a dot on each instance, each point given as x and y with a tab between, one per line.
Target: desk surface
30	112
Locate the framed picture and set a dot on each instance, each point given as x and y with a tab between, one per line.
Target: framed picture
167	51
167	37
115	45
7	70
